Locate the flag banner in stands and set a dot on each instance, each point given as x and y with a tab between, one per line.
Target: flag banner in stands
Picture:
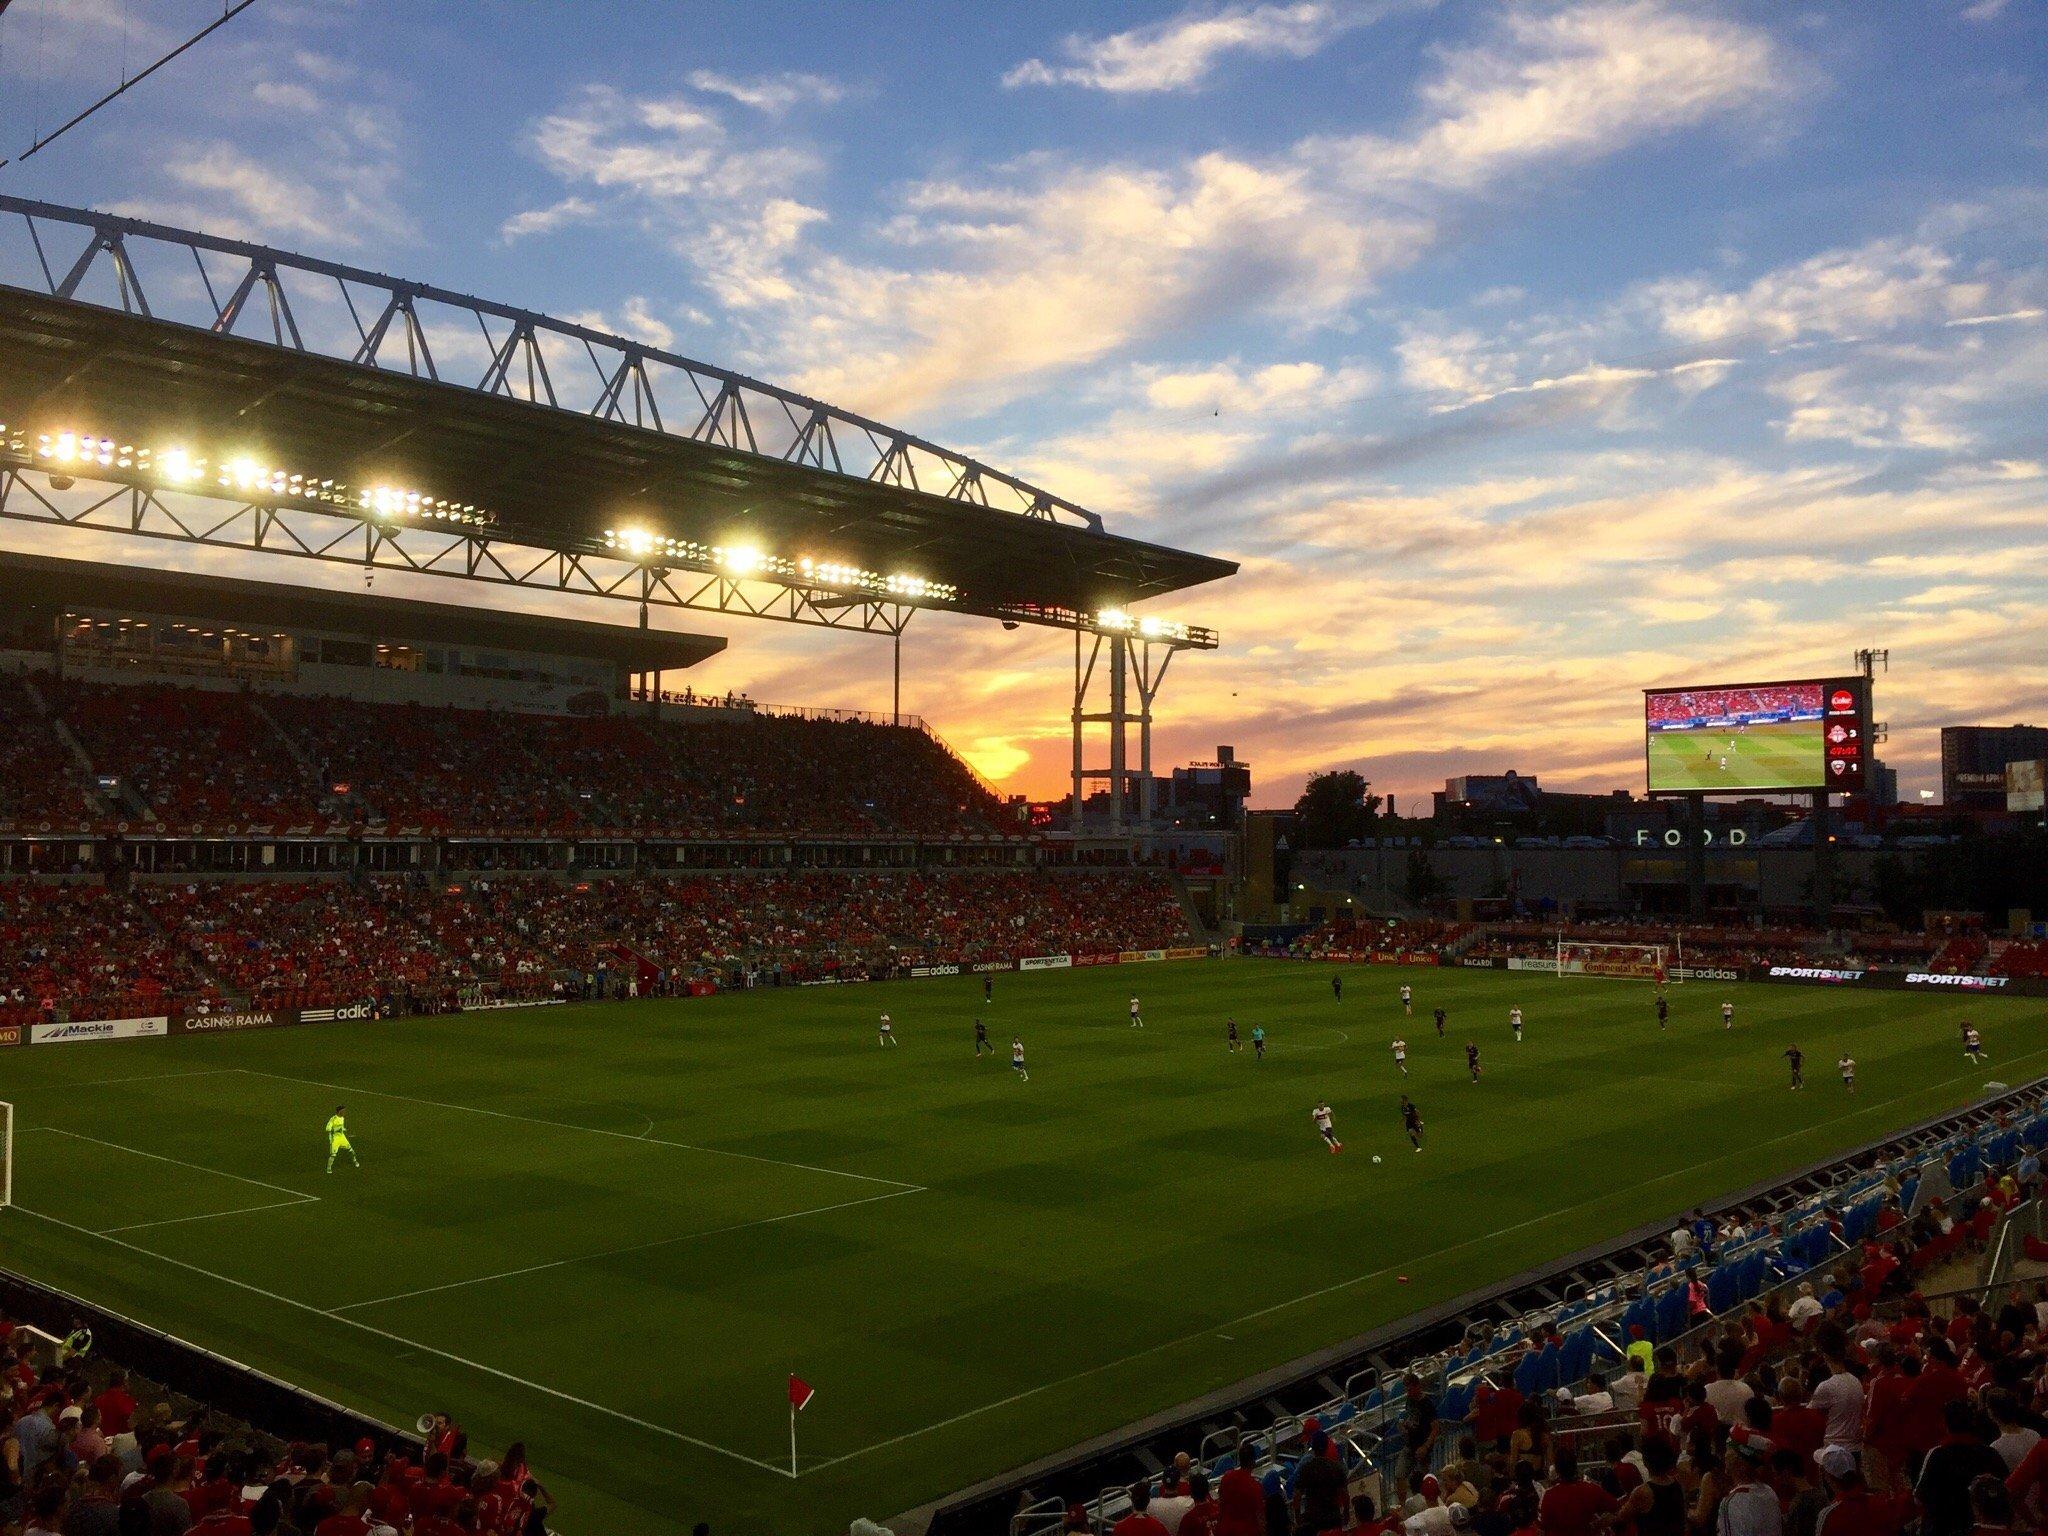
98	1029
1045	962
230	1023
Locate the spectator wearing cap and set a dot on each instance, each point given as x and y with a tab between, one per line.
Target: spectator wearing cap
1171	1503
1805	1309
1751	1507
1852	1510
1943	1489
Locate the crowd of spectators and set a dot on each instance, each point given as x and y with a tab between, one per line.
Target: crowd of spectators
196	757
81	950
1747	704
87	1451
40	780
211	760
298	944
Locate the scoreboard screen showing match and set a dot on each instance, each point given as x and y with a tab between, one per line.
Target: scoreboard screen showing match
1758	738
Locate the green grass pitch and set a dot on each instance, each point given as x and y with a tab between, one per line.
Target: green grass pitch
1784	755
613	1230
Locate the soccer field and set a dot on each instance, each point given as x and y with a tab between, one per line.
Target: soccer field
1780	755
613	1231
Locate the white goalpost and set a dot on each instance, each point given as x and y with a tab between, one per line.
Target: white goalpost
1634	962
6	1155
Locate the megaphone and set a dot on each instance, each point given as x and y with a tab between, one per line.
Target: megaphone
425	1423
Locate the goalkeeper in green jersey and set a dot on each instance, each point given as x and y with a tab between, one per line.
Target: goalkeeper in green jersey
338	1142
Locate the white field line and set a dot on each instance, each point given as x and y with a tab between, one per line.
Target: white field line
1405	1262
613	1253
158	1157
149	1077
240	1210
398	1338
588	1130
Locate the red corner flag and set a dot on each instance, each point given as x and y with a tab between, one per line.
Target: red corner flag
800	1395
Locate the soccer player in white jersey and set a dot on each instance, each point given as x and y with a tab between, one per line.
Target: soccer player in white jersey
888	1031
1407	1000
1401	1056
1973	1044
1847	1067
1137	1019
1515	1023
1321	1115
1017	1057
1727	1015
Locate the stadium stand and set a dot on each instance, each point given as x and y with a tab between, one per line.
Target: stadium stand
93	1447
41	782
1793	1346
80	950
73	949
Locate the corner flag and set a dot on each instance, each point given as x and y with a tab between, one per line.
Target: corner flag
800	1395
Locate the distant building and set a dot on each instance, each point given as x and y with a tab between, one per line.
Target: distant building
2026	786
1881	785
1973	759
1210	794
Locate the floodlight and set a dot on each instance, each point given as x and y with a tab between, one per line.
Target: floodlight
177	466
742	559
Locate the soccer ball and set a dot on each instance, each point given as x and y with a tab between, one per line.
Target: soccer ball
1375	1157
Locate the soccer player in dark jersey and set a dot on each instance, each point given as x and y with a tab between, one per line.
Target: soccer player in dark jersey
1472	1059
981	1041
988	989
1797	1058
1663	1011
1230	1032
1439	1023
1337	986
1411	1122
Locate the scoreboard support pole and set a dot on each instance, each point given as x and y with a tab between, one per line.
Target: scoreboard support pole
1696	856
1823	859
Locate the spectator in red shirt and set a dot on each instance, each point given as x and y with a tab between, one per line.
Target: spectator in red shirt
1201	1517
1573	1506
117	1407
1136	1523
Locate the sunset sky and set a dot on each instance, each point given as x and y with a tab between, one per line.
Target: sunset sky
1524	355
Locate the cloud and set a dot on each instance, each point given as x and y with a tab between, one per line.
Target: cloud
545	221
1181	52
665	148
772	94
1565	85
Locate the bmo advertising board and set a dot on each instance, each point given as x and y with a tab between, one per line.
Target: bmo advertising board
1758	738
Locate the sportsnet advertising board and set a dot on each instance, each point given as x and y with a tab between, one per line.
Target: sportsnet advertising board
1757	738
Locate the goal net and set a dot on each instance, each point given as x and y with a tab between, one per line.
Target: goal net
1639	962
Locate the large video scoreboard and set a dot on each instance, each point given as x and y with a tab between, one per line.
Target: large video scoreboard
1758	738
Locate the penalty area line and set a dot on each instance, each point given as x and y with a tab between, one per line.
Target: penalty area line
399	1338
644	1139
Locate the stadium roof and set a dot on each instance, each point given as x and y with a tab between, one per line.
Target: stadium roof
550	474
32	583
